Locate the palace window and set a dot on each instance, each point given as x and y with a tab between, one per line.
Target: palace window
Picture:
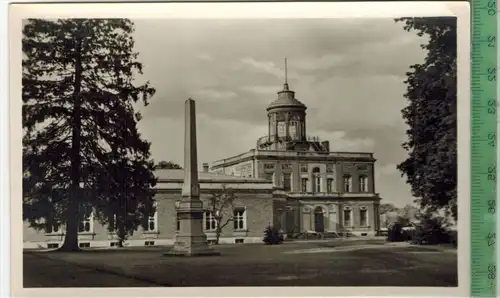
317	183
329	185
52	226
329	168
281	129
287	181
177	219
153	220
210	221
363	217
86	222
347	183
303	168
316	180
347	217
268	166
303	184
292	129
363	183
239	218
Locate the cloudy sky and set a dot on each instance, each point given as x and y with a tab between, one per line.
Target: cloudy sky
349	73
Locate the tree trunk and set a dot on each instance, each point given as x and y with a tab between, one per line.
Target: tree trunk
217	235
73	213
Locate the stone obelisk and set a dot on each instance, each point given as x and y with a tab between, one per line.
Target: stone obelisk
190	240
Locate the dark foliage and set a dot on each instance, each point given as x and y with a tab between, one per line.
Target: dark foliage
395	233
431	167
167	165
431	230
272	235
81	146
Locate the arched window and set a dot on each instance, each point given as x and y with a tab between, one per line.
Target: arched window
281	129
347	183
316	179
363	183
292	129
86	221
153	220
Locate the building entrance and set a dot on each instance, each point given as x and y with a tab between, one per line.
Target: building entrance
319	220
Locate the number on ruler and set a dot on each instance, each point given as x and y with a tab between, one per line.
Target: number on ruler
492	206
491	239
492	271
492	74
492	106
492	7
492	139
491	173
491	41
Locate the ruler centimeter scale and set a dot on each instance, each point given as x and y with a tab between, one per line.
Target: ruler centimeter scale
484	147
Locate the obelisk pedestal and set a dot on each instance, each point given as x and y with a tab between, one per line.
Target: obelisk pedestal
190	240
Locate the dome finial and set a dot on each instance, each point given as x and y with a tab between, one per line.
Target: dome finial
285	86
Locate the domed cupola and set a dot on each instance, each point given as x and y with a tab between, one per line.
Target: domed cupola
286	99
286	121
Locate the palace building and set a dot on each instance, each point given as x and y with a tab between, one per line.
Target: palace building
290	180
325	191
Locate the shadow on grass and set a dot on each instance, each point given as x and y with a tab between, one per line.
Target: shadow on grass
70	264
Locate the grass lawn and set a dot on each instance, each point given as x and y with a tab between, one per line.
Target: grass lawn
332	263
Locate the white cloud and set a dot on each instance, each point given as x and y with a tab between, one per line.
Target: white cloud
267	67
261	89
340	141
390	169
213	94
324	62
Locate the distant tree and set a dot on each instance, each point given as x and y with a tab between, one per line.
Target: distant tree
431	167
408	214
220	205
167	165
81	147
387	207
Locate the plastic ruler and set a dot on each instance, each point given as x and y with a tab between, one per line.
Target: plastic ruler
484	149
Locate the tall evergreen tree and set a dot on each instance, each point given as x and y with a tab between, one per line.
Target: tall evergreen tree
81	147
431	167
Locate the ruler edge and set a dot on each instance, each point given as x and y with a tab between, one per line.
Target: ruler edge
497	207
495	226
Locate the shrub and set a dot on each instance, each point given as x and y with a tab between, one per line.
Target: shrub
432	231
272	236
395	233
